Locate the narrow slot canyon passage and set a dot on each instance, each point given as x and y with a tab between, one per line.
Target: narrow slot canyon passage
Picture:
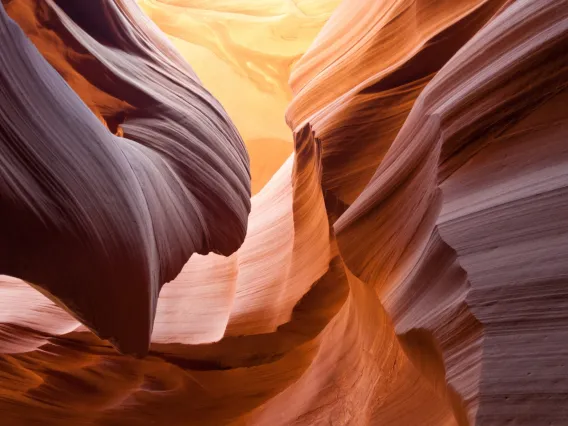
283	212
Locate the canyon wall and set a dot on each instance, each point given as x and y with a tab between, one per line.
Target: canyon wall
406	265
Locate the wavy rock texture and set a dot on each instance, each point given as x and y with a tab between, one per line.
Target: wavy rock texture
96	221
406	266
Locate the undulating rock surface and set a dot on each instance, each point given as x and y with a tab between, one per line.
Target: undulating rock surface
406	265
96	220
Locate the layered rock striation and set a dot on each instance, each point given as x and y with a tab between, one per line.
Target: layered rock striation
405	266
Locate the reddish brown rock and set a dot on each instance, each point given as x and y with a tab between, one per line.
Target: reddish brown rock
406	266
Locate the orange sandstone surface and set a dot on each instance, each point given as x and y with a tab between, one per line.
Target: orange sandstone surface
243	52
403	260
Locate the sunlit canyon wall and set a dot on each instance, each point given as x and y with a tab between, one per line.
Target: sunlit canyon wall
243	53
405	265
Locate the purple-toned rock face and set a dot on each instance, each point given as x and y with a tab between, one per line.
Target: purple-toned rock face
407	265
95	221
